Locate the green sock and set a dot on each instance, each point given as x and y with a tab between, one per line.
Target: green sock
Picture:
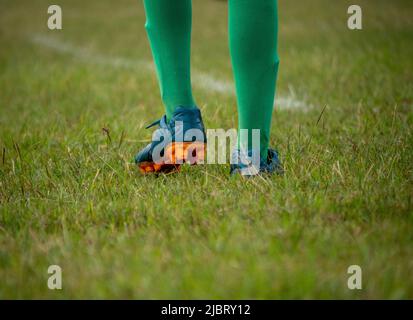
168	24
253	28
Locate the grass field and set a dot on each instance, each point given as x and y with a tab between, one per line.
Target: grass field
70	195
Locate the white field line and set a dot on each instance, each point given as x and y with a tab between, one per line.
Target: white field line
200	79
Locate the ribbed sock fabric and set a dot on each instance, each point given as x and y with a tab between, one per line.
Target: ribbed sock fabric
253	28
168	24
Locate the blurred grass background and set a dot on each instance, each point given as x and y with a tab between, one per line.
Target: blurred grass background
70	196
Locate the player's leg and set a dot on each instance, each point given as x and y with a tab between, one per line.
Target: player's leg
253	29
168	25
181	136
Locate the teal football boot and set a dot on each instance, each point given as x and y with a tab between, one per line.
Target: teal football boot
246	166
180	140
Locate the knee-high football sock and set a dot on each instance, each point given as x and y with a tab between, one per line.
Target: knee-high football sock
253	28
168	24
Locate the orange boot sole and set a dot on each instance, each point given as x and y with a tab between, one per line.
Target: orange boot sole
176	154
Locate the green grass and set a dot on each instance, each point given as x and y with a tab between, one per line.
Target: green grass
70	196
